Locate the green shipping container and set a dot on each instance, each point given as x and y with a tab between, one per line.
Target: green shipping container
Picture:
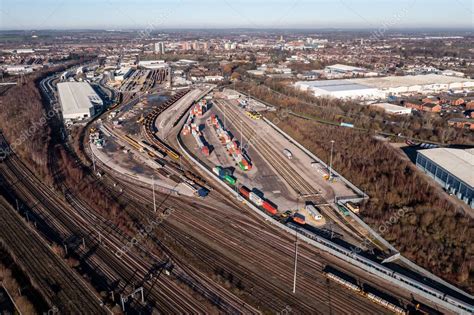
242	166
230	179
344	211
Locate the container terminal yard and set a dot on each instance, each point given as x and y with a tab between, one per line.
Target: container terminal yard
146	148
215	130
169	172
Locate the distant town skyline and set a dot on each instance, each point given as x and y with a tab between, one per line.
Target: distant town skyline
163	14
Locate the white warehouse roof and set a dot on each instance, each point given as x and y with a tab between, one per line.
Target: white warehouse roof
458	162
78	100
381	87
338	88
393	109
344	68
409	80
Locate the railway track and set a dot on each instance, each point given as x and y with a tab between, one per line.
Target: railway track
282	167
273	275
278	163
168	294
61	286
150	121
175	294
242	258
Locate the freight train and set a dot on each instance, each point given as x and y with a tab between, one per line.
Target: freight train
435	295
258	201
358	289
149	124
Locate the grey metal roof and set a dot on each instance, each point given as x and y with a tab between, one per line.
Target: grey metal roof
409	80
334	85
77	97
459	163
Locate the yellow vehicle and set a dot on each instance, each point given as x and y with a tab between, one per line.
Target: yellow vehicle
353	207
254	115
172	154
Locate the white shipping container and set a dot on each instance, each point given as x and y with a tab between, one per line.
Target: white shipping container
216	170
198	140
314	212
237	157
255	199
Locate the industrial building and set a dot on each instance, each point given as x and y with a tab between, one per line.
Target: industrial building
343	89
122	73
451	168
393	109
382	87
344	69
424	84
153	64
78	100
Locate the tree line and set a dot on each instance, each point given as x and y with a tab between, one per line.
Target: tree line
433	231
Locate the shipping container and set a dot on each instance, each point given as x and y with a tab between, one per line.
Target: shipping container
299	218
202	192
288	154
237	157
247	165
217	170
229	179
205	150
255	199
270	208
244	191
344	210
186	130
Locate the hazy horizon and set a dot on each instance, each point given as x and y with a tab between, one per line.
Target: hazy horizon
226	14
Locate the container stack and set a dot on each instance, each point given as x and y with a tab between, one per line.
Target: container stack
224	175
96	138
232	146
199	108
192	127
187	125
200	141
186	130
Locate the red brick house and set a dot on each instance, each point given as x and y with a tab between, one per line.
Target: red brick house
457	102
422	106
466	123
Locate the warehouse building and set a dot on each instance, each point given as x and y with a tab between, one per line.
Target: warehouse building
343	89
451	168
410	84
383	87
393	109
153	64
122	73
78	100
344	69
